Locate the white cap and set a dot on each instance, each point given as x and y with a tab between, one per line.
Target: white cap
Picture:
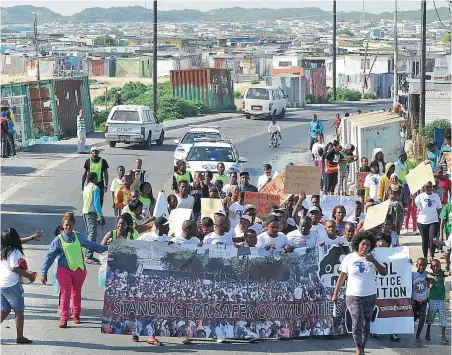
222	212
94	149
248	218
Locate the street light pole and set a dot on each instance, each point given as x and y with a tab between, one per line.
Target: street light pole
423	60
35	32
334	50
396	55
154	61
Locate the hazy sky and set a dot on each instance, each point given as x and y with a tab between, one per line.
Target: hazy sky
69	7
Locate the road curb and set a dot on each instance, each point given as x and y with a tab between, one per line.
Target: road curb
350	104
174	127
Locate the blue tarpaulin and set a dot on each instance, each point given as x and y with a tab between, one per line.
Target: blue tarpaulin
438	136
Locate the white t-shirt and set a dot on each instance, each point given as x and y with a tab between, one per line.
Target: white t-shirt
330	242
237	208
214	238
262	180
361	275
181	240
114	182
299	240
427	206
185	202
279	242
316	147
9	278
320	230
371	182
154	237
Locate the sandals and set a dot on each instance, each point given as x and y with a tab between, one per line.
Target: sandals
23	341
445	341
153	341
395	337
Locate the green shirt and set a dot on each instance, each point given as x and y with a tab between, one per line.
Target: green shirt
438	290
446	214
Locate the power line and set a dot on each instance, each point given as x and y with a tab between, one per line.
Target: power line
437	14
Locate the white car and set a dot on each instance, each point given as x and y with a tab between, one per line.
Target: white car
205	154
265	101
133	124
195	132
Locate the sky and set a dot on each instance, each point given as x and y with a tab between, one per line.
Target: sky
69	7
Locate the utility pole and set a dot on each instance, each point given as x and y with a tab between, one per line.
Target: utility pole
396	55
35	30
364	70
423	60
154	61
334	50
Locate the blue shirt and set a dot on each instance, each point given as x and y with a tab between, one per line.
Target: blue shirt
56	250
433	158
10	127
315	128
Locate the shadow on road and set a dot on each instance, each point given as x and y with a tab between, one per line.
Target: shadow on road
16	170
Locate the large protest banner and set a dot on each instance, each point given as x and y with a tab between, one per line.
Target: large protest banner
217	291
261	201
302	178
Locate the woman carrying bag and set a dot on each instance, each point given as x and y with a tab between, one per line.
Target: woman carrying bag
71	271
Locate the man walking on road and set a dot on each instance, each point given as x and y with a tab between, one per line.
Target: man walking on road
315	127
97	165
81	133
91	211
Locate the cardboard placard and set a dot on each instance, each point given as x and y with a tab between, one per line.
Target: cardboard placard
419	176
209	206
360	178
302	178
376	215
447	156
262	202
177	218
276	187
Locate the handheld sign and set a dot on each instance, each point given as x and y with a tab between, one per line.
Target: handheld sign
376	215
360	178
261	201
177	218
209	206
302	178
276	187
419	176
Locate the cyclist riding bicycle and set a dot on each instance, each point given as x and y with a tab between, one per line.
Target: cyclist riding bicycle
274	129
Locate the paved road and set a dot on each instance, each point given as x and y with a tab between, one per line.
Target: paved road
37	188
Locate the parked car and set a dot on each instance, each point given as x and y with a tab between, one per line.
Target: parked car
193	133
205	154
133	124
265	101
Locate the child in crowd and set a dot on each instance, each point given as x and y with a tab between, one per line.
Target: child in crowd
349	231
446	229
371	182
220	235
437	299
303	237
12	292
388	228
250	239
188	236
420	295
411	209
432	154
272	238
172	203
206	226
364	168
338	215
332	237
315	213
359	215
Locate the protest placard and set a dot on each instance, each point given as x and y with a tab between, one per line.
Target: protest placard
328	202
177	217
376	215
419	176
169	276
302	178
360	178
447	156
276	187
261	201
209	206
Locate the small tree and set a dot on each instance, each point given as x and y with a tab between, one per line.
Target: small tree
104	41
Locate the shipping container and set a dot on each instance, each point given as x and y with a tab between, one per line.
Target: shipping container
13	65
50	107
213	87
293	87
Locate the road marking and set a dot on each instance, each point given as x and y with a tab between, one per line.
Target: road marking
31	213
26	179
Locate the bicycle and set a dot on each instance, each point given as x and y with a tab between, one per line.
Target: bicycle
275	141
